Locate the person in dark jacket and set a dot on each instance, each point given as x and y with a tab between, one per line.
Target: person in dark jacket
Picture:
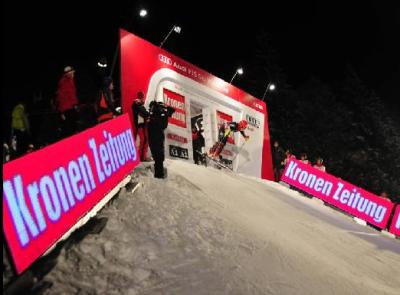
223	134
66	102
105	105
198	143
158	122
140	119
277	158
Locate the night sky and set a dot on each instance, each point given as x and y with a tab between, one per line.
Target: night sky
312	38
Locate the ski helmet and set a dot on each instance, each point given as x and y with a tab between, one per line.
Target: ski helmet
242	125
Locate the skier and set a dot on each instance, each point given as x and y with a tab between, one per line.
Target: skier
223	134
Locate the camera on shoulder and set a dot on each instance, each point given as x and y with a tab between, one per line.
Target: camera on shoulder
158	108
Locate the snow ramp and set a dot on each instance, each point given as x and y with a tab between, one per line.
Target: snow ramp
209	231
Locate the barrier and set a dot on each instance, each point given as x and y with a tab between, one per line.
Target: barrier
395	225
47	192
339	193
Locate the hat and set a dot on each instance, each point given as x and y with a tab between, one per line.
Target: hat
68	69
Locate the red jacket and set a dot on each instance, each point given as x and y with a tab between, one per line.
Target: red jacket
66	94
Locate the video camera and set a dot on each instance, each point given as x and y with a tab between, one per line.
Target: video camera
158	108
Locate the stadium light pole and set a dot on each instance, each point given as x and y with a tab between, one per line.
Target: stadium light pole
176	29
142	13
271	87
238	71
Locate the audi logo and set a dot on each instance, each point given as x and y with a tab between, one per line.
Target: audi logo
165	59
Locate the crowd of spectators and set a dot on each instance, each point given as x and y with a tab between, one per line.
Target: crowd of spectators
69	116
280	157
61	120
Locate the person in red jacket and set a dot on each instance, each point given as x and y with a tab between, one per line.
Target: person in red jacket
66	102
140	119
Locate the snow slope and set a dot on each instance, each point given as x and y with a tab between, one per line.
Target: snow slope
209	231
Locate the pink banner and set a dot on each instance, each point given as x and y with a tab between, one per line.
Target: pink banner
339	193
46	192
395	225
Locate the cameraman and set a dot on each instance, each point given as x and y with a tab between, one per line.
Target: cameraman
159	114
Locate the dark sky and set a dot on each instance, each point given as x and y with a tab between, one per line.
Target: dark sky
312	37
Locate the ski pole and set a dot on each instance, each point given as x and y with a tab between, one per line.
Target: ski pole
240	149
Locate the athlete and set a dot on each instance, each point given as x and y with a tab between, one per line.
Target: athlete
224	132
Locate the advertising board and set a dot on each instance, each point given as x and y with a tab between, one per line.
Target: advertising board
47	192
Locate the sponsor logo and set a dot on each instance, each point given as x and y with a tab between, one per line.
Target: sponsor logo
178	152
339	193
165	59
258	106
253	121
42	203
176	101
395	227
177	138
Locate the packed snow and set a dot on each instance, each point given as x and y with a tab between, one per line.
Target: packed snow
209	231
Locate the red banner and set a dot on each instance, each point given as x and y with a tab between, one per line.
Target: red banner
222	119
45	193
176	101
395	225
339	193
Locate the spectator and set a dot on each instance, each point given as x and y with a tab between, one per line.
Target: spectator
20	128
304	159
320	164
385	195
277	158
198	143
158	122
140	119
288	155
105	105
6	153
31	148
66	102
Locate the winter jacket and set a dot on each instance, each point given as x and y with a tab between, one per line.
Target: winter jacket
225	130
278	155
158	122
66	94
105	105
19	119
